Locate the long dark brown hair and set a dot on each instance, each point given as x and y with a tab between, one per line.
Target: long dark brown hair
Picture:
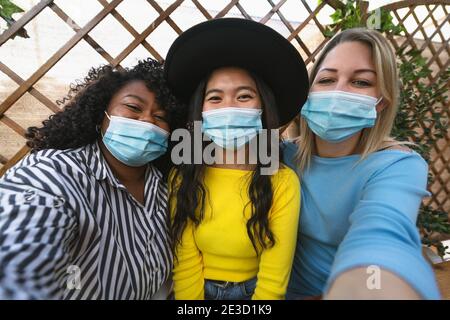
190	193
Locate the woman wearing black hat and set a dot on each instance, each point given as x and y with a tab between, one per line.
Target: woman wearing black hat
234	228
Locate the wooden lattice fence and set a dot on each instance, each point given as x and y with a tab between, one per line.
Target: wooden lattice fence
23	92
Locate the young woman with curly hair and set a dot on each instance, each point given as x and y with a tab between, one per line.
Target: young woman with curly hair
84	216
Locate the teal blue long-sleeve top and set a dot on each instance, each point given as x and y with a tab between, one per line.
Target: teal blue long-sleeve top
357	214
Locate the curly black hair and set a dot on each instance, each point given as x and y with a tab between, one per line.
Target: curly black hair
76	125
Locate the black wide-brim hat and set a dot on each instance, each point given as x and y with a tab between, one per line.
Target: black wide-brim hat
232	42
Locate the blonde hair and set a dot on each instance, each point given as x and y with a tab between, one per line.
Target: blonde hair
372	139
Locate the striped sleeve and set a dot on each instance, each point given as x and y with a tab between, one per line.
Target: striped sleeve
37	227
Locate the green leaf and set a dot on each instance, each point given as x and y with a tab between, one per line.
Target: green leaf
328	32
7	9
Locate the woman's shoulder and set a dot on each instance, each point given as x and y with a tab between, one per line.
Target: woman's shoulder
284	178
398	161
396	153
399	147
285	171
44	166
42	158
289	149
289	146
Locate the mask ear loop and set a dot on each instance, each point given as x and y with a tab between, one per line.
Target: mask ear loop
97	127
378	101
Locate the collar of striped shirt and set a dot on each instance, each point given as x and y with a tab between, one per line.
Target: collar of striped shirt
100	169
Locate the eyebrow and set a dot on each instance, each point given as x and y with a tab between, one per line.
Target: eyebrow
136	97
356	71
237	89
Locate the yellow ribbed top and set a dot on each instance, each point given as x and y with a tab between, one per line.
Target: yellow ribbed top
220	249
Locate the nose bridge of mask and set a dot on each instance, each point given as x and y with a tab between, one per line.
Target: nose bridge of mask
342	95
138	125
142	133
233	109
134	142
232	117
335	115
231	127
344	104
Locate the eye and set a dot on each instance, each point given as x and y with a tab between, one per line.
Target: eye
213	98
161	117
245	97
362	83
325	81
133	107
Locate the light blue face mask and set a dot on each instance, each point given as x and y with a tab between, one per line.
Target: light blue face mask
335	115
133	142
231	128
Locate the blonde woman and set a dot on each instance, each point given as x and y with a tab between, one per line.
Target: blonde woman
361	190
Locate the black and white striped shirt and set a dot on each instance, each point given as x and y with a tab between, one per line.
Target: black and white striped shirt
70	230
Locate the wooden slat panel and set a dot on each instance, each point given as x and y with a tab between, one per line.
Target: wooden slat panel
244	13
440	154
169	20
225	10
75	27
34	92
3	160
202	9
288	26
27	17
13	125
304	23
146	32
16	158
24	87
275	9
438	165
412	3
131	30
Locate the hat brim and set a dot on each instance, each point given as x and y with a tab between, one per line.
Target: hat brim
240	43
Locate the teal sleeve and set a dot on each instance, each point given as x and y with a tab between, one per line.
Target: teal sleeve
383	228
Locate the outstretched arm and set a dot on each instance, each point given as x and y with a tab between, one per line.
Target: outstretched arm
383	234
